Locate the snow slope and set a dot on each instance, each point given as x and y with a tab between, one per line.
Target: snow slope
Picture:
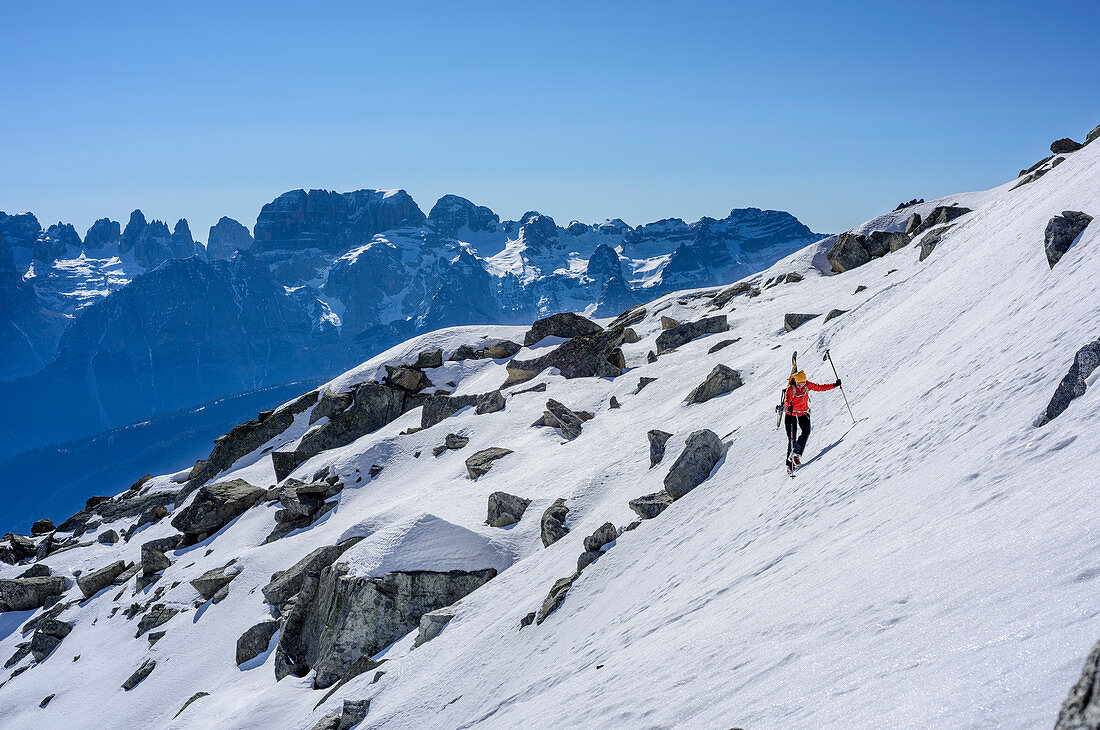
935	564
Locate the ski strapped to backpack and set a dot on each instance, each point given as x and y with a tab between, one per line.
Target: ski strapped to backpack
779	408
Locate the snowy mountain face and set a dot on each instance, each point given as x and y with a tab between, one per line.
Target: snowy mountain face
343	276
504	526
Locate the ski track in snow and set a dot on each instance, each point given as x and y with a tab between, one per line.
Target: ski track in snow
934	565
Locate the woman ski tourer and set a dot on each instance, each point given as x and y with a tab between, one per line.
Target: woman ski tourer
796	410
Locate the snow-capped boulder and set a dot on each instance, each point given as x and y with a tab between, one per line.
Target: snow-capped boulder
1061	232
553	522
481	462
1074	383
286	584
678	335
701	453
650	505
721	380
505	509
214	506
565	325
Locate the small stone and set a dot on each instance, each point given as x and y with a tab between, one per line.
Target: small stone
834	313
46	700
110	537
792	321
527	620
155	636
643	382
481	462
432	623
614	403
604	534
375	470
651	356
657	440
860	288
722	345
555	597
651	505
140	674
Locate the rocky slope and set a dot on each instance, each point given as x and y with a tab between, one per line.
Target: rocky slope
514	525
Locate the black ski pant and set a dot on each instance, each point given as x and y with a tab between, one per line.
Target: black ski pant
796	441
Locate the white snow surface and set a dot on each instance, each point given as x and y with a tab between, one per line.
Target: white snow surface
936	564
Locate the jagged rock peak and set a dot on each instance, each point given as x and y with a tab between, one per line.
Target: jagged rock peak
332	221
228	236
452	213
103	233
537	229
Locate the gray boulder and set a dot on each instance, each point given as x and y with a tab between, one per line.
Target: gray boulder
341	619
657	440
558	416
847	253
497	350
555	597
452	442
432	623
633	316
726	295
1081	709
1073	384
157	615
209	583
373	406
110	537
406	378
912	223
681	334
651	505
1061	232
596	355
93	582
701	453
42	527
931	240
833	314
255	640
587	558
720	381
1093	134
1064	145
792	321
430	359
940	215
286	584
565	325
722	345
482	461
643	382
604	534
139	674
38	570
505	509
329	404
47	635
668	323
438	408
214	506
553	522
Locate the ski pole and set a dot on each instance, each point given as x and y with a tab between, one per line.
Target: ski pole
830	359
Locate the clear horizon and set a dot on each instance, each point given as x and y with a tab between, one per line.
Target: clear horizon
622	111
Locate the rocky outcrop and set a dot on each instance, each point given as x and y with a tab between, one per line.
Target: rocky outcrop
94	581
246	438
555	597
562	418
1073	384
452	442
833	314
565	325
932	239
1081	709
452	214
940	215
47	636
349	617
287	583
213	581
303	504
24	594
553	523
214	506
481	462
852	250
628	318
726	295
491	350
701	453
438	408
657	440
681	334
650	505
255	640
792	321
157	615
505	509
597	355
139	674
1061	232
227	237
720	381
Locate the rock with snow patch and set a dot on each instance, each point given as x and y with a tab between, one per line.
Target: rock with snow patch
209	583
481	462
1061	232
255	640
285	584
681	334
1073	384
559	416
47	636
407	378
596	355
701	453
565	325
505	509
792	321
438	408
553	522
649	506
139	674
432	623
93	582
720	381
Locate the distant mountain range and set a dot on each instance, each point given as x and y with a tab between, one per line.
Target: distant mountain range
142	319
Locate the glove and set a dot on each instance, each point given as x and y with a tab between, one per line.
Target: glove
778	408
837	383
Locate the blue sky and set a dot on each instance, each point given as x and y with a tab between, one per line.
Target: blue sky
833	111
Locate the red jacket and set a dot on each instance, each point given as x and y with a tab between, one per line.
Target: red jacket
796	398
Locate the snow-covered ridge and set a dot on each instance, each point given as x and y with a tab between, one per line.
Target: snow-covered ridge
930	565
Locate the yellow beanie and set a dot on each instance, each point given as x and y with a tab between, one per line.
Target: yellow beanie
799	377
